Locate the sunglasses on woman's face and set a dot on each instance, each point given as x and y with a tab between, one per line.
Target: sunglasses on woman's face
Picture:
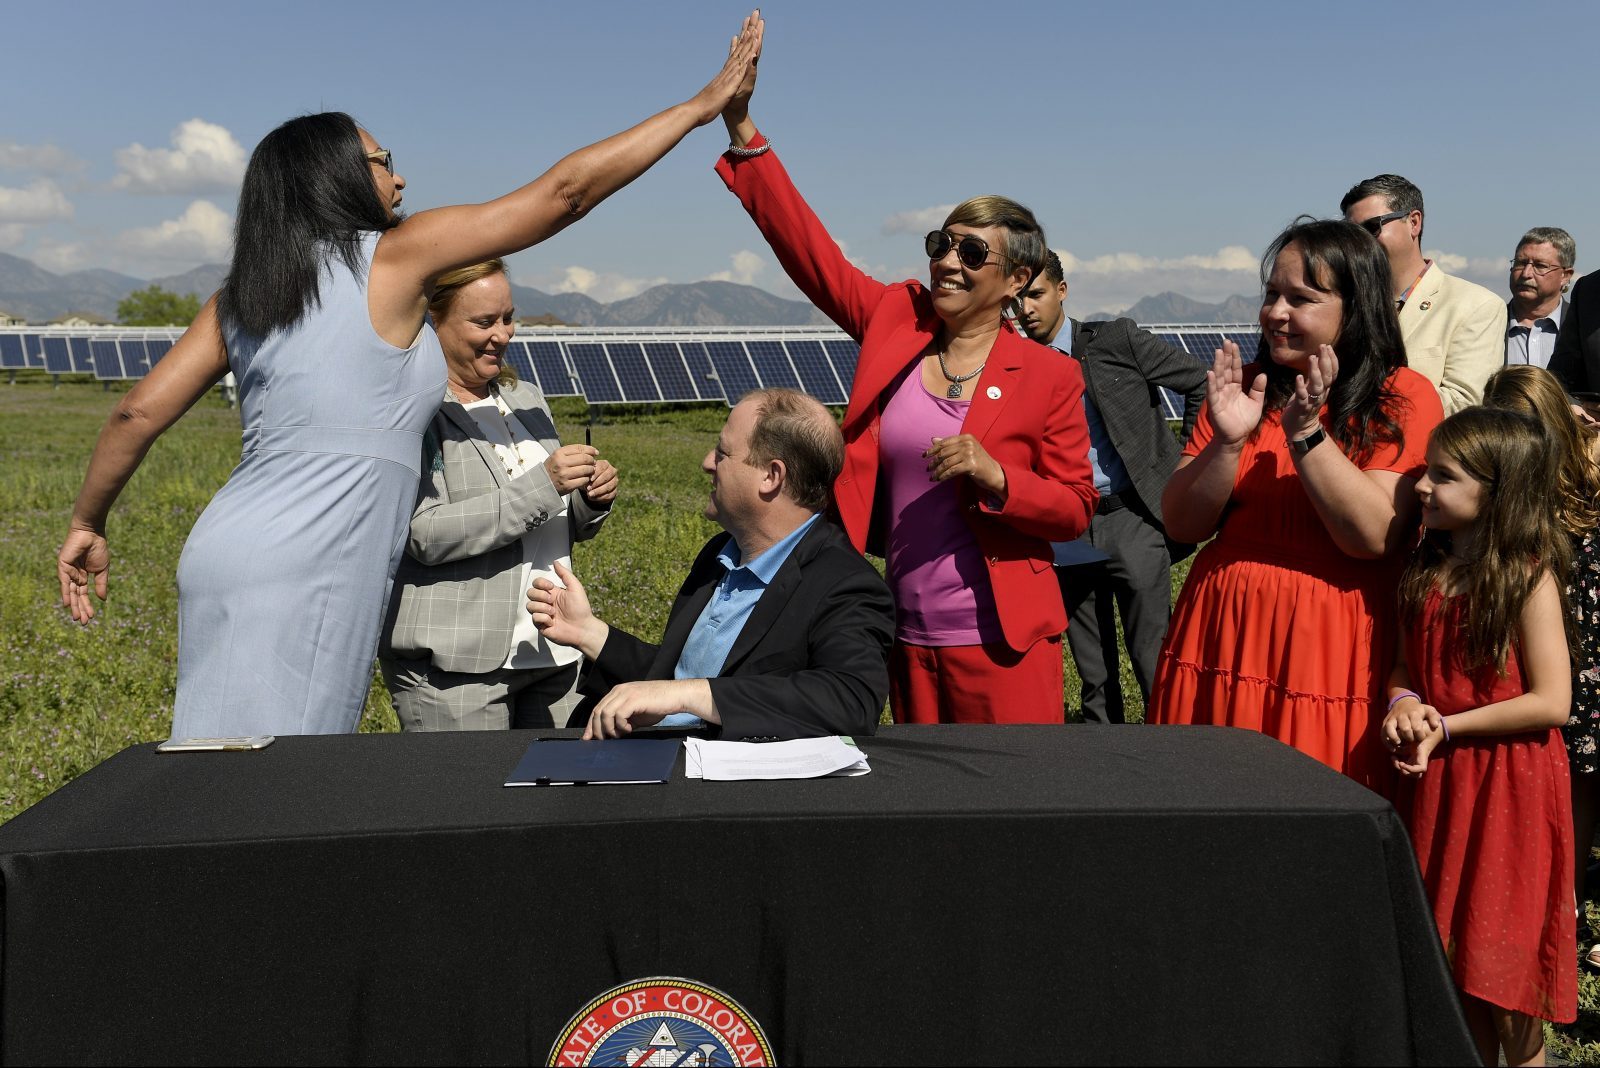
383	158
972	251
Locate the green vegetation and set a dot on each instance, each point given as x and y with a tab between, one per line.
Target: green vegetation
70	697
154	306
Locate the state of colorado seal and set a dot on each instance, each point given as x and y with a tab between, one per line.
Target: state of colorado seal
662	1022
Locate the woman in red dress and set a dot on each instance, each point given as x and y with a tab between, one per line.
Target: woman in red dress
1303	467
1486	648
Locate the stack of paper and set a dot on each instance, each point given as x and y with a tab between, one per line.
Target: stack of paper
804	758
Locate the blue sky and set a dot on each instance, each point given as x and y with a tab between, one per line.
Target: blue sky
1162	144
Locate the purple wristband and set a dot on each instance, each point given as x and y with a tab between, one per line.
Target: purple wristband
1402	695
1444	725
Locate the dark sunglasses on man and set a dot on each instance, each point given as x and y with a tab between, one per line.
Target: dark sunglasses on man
1378	222
971	250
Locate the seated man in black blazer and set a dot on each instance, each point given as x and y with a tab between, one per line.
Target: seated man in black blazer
780	631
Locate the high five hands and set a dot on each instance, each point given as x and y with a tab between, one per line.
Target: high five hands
738	74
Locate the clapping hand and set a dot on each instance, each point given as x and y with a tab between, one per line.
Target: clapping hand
1235	410
1303	414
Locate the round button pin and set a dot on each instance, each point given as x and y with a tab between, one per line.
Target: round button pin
994	392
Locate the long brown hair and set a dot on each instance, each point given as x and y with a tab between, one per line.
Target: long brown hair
1519	535
1536	392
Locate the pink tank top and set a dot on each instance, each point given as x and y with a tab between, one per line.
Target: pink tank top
941	586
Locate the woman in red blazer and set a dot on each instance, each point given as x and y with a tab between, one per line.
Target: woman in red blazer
966	449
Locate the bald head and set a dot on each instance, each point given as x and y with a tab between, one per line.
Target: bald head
799	430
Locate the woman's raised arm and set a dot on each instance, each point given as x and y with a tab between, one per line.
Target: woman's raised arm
432	242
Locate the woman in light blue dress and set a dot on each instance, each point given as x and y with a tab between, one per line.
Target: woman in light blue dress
283	580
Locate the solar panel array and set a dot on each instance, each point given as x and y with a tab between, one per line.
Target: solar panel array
616	366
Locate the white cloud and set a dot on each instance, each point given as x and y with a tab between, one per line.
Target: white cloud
44	159
205	158
60	256
746	267
41	201
917	222
11	234
202	234
604	286
1228	258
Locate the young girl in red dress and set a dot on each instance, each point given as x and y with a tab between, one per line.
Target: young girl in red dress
1476	698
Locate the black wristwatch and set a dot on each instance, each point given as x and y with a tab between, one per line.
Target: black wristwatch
1307	443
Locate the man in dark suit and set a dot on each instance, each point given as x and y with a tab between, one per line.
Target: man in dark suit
1576	360
780	631
1133	453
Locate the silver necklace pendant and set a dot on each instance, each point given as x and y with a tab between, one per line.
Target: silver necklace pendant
954	392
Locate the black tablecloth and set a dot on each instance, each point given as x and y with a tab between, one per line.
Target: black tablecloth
986	895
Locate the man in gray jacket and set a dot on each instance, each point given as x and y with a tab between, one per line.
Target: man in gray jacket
1133	452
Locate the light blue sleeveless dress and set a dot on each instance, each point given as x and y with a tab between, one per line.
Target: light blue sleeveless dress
283	581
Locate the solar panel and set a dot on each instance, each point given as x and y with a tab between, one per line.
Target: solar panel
772	364
156	347
594	373
551	367
701	374
135	360
816	374
107	364
671	374
12	356
843	353
57	356
82	357
33	347
1247	344
733	369
633	373
517	359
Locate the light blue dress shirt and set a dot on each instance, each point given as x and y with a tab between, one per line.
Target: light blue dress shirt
1535	346
725	614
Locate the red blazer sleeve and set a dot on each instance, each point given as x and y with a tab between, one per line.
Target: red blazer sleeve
809	255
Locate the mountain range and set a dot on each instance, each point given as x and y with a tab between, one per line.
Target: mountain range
39	295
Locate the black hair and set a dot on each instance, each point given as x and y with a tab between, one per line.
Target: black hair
308	189
1052	271
1398	192
1342	258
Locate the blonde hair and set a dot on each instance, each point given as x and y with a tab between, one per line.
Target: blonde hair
1536	392
444	295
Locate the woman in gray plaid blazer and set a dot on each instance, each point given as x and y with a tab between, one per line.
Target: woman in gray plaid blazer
501	501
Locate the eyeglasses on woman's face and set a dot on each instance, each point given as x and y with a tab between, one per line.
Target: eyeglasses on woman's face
384	157
971	250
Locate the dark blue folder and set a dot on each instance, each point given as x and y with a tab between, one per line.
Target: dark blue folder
557	762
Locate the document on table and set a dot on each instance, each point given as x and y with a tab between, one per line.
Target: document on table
563	762
803	758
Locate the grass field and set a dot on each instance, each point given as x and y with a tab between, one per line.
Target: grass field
70	697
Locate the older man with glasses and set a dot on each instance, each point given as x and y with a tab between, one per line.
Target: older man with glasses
1541	271
1454	330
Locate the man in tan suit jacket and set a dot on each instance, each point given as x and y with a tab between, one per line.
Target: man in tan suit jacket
1454	330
